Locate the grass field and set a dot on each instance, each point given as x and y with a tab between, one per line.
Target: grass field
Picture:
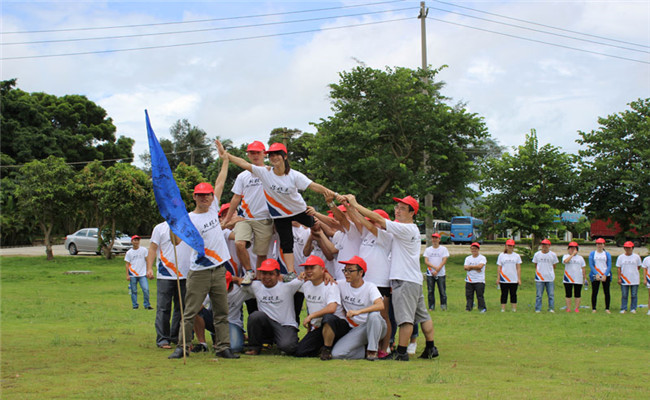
76	337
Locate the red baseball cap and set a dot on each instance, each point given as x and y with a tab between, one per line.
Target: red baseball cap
228	279
436	235
313	260
573	244
475	244
628	244
381	212
408	200
276	147
256	146
269	265
342	208
203	188
134	237
356	260
510	242
546	241
600	240
224	208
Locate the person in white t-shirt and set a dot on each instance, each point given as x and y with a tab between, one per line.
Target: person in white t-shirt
281	186
509	275
405	275
628	266
136	272
545	261
172	268
275	319
435	258
475	278
257	224
646	274
600	271
574	276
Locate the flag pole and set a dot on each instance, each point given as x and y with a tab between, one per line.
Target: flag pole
173	237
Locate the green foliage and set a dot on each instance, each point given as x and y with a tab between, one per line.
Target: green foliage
16	228
529	189
616	168
187	177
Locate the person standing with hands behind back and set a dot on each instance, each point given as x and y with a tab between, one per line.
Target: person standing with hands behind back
574	275
435	258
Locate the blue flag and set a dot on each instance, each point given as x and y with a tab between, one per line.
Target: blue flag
168	197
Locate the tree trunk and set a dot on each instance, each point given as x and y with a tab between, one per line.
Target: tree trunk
47	231
107	249
381	190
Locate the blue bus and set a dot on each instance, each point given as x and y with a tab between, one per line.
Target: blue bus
466	230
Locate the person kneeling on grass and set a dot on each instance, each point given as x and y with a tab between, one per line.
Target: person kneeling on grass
275	320
323	304
362	303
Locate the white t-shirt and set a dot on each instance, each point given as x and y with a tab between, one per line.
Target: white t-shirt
237	297
600	262
508	263
253	202
358	298
348	245
318	297
300	236
545	272
646	266
166	266
573	269
435	256
629	266
281	192
276	302
405	252
474	276
216	248
375	250
137	260
337	241
331	265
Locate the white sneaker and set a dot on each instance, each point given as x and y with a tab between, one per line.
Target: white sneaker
249	276
551	311
648	312
633	311
622	311
412	348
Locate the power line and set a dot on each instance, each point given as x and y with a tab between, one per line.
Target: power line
202	20
206	29
203	42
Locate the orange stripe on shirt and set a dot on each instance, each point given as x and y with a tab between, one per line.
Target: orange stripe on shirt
503	276
213	254
275	203
539	275
599	271
169	265
246	209
132	271
469	279
625	279
569	276
234	267
351	322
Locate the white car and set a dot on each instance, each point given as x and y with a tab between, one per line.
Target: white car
85	240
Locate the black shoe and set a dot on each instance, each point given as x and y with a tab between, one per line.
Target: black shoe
135	308
178	353
396	356
226	354
200	348
429	353
148	308
325	354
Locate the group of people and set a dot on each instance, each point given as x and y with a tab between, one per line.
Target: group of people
629	275
357	271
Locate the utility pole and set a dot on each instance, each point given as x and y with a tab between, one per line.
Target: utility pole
428	198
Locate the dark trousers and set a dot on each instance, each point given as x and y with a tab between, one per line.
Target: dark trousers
470	289
595	285
262	329
167	294
441	283
509	288
311	343
283	227
298	299
570	288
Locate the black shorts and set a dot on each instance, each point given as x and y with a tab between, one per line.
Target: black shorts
385	291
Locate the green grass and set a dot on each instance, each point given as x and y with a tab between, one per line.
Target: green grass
76	336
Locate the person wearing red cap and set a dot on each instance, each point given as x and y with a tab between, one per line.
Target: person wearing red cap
509	275
545	261
405	275
361	303
275	320
208	275
323	306
281	186
435	257
628	266
136	272
600	271
574	276
646	273
475	279
257	227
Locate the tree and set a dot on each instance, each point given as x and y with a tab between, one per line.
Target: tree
616	168
37	125
45	190
191	145
187	177
392	134
528	190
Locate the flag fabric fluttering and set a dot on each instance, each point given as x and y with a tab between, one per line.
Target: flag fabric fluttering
168	196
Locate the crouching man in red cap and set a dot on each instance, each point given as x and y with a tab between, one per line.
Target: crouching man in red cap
275	321
362	303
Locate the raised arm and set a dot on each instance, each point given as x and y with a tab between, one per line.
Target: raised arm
240	162
360	222
220	182
234	203
365	212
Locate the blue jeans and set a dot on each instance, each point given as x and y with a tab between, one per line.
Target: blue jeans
624	291
550	291
236	338
144	284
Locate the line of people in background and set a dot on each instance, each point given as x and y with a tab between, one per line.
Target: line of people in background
631	272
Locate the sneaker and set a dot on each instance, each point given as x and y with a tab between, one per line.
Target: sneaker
148	308
178	353
135	308
412	348
551	311
483	311
537	311
443	307
289	277
568	309
607	312
593	311
383	354
577	310
396	356
325	354
248	278
502	310
633	311
514	310
429	353
622	311
648	312
200	348
226	354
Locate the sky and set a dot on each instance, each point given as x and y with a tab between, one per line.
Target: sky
241	83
